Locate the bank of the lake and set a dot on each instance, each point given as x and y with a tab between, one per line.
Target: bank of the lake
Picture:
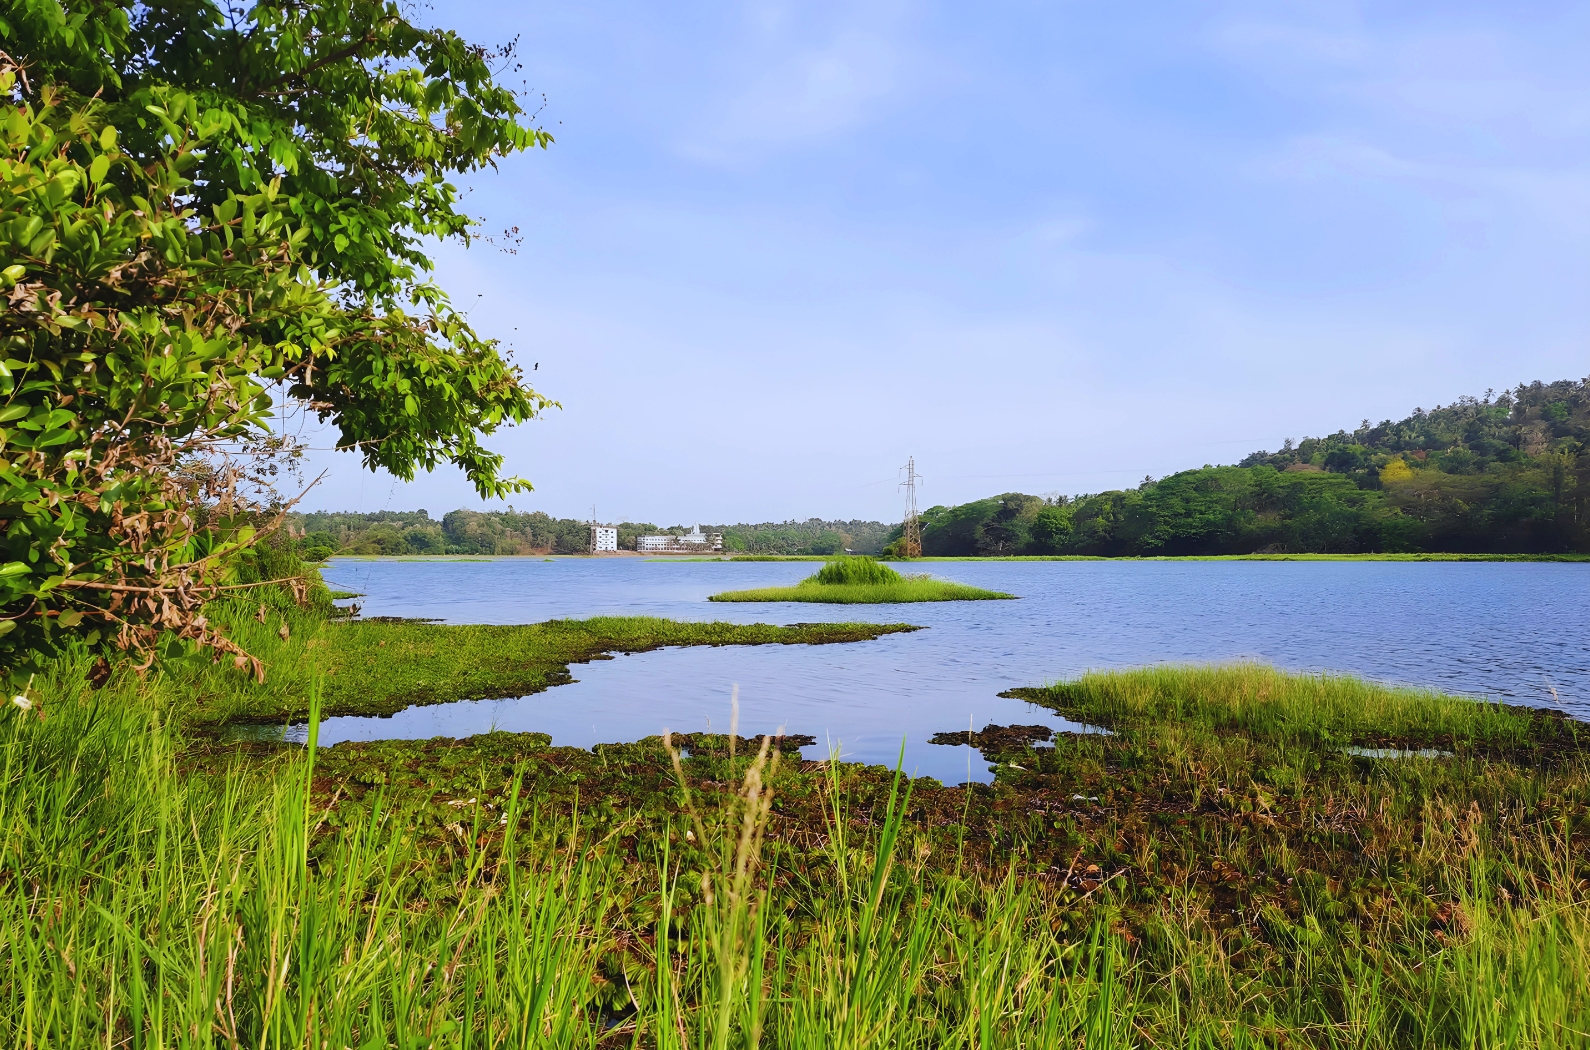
1218	870
377	667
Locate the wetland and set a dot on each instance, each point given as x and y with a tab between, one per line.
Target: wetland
1223	853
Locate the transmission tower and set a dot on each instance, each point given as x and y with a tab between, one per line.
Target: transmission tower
911	537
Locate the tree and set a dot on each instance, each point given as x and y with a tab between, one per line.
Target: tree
199	204
1051	528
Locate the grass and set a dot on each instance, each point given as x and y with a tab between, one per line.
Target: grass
379	667
1216	873
862	581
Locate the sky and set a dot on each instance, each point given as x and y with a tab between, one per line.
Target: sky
776	249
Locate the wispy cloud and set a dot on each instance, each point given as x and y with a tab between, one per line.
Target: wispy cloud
799	74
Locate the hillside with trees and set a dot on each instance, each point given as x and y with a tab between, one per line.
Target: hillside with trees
1506	473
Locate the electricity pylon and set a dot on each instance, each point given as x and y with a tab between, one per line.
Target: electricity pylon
911	537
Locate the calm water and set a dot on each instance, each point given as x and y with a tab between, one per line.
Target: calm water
1502	630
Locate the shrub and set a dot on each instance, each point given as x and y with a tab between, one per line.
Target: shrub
857	571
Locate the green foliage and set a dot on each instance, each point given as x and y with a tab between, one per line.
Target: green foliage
196	204
1051	528
127	343
390	532
856	571
535	532
1468	436
812	536
1504	476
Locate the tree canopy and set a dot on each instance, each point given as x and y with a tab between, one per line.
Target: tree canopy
1506	473
203	210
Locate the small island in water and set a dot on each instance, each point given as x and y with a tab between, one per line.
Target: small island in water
858	581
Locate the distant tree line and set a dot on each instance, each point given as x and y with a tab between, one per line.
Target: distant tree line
812	536
390	532
1506	473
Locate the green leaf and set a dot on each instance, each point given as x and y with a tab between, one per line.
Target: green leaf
97	168
55	437
70	619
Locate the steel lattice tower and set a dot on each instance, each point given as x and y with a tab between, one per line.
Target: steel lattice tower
911	537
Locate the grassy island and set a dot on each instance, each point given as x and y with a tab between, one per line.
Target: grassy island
862	581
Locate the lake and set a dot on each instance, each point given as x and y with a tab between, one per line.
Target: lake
1513	631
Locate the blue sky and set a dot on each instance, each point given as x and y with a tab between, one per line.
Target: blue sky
777	248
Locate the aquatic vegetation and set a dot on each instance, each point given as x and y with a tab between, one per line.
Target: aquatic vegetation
862	581
1217	871
380	666
857	571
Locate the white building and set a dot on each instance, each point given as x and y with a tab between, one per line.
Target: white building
603	538
693	542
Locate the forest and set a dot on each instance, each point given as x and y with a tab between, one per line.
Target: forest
1507	473
408	532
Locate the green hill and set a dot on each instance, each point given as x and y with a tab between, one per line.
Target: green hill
1499	474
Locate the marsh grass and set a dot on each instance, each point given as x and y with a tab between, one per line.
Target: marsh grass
862	581
858	571
1289	709
1239	882
147	905
370	667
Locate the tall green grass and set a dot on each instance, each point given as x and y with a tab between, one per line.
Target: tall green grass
151	899
1269	704
864	571
148	905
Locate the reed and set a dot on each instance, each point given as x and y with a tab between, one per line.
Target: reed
1213	874
148	906
863	571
